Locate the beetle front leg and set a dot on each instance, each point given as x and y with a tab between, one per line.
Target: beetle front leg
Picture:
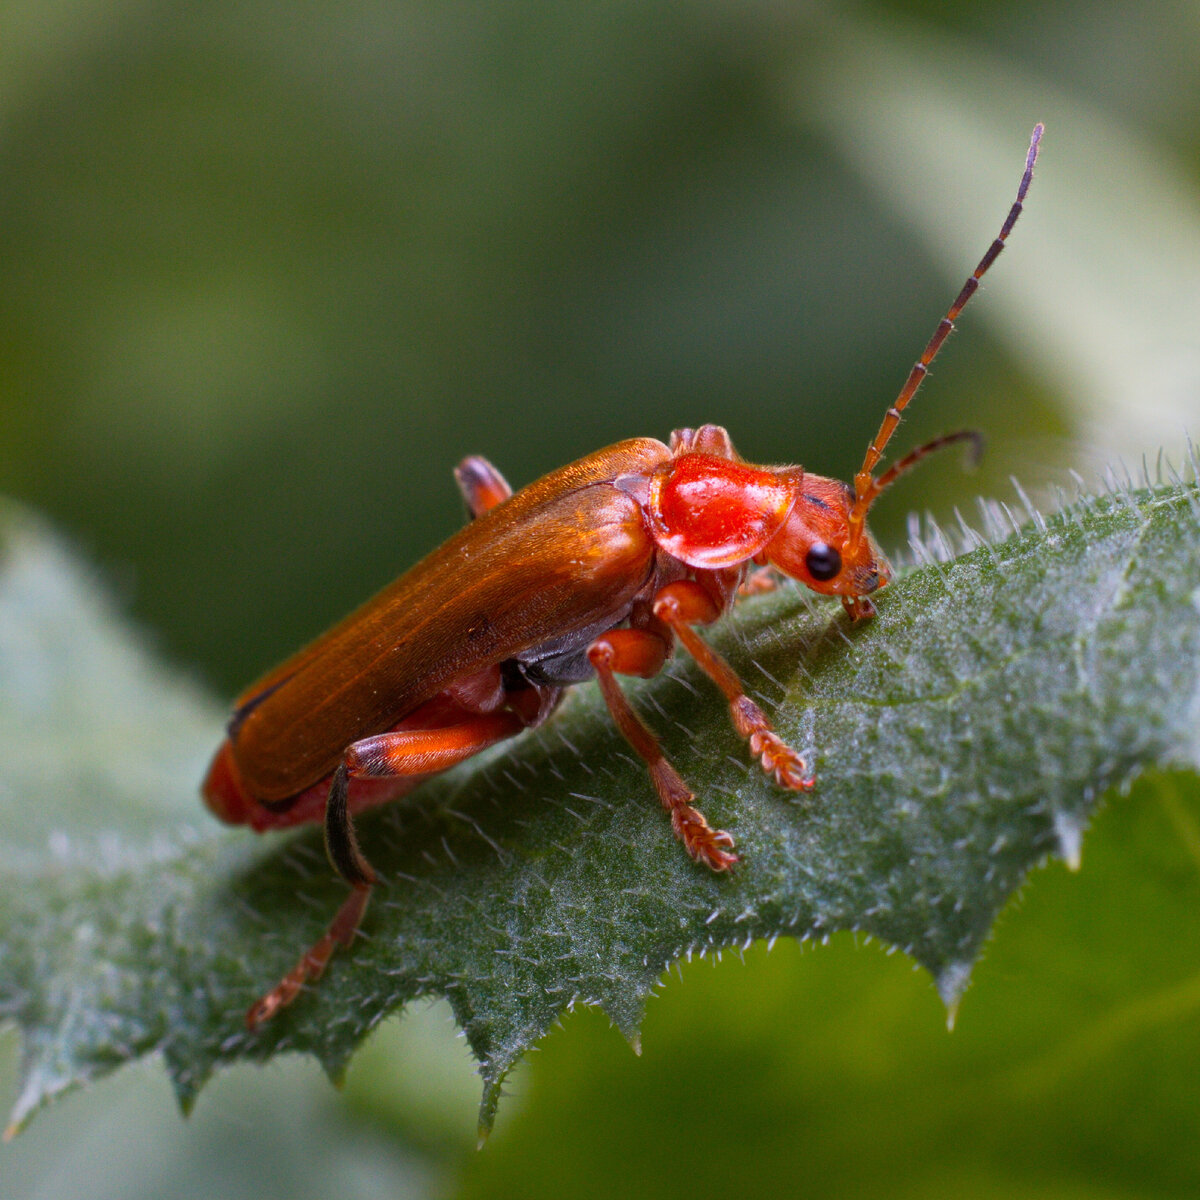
758	583
686	603
640	652
388	755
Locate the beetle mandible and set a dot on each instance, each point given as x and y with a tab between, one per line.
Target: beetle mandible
593	570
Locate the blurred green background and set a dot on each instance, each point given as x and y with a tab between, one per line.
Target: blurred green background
270	270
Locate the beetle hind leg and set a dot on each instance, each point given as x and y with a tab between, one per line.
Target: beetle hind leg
313	962
352	866
686	603
639	652
398	753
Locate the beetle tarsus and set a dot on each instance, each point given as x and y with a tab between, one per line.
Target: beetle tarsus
313	962
778	759
788	767
859	608
701	840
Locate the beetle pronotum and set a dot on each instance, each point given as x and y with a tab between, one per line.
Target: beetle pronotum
593	570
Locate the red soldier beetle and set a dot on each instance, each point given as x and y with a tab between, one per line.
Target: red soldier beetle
593	570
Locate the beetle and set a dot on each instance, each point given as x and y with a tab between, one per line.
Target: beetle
594	570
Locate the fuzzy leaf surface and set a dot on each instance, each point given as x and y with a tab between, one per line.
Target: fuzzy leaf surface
959	739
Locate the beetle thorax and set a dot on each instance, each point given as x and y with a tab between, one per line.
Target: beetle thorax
712	512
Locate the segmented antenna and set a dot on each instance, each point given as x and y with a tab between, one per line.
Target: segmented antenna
910	460
866	486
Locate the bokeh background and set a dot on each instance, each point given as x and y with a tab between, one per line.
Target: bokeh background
270	270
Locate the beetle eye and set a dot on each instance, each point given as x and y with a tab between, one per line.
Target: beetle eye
823	561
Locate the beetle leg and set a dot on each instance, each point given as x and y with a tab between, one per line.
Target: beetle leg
686	603
640	652
482	486
762	580
401	752
313	962
708	439
423	751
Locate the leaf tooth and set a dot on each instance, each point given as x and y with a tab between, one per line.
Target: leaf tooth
492	1082
34	1093
951	981
1068	829
626	1014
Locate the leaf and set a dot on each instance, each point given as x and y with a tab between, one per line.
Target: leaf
960	738
1071	1071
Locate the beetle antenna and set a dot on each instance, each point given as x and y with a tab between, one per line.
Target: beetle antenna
866	486
910	460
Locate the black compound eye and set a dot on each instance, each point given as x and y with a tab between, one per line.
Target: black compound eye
823	561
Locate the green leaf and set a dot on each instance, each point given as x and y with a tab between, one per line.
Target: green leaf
960	738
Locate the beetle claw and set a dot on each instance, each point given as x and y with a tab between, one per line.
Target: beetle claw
716	859
700	840
778	759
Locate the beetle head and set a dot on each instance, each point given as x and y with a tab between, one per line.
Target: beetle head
825	543
814	546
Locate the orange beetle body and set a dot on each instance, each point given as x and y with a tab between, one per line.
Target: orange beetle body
501	590
594	570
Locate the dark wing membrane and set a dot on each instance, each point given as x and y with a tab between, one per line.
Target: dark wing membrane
567	552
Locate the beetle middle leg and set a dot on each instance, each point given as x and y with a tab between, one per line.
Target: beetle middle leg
686	603
642	652
482	486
